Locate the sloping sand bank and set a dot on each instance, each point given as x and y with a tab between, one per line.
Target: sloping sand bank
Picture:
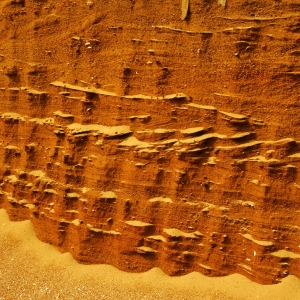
31	269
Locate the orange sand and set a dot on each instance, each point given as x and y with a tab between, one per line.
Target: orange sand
31	269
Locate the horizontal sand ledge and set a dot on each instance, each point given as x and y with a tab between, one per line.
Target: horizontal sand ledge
31	269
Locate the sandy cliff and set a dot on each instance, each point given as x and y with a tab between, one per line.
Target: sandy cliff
155	134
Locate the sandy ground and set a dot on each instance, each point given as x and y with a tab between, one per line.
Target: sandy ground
31	269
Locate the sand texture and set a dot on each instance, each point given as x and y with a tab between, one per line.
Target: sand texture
31	269
155	134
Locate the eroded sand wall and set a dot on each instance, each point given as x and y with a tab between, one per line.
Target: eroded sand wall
134	138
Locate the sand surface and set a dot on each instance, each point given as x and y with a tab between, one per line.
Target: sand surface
109	109
31	269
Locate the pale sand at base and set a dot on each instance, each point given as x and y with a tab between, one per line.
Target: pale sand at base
31	269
